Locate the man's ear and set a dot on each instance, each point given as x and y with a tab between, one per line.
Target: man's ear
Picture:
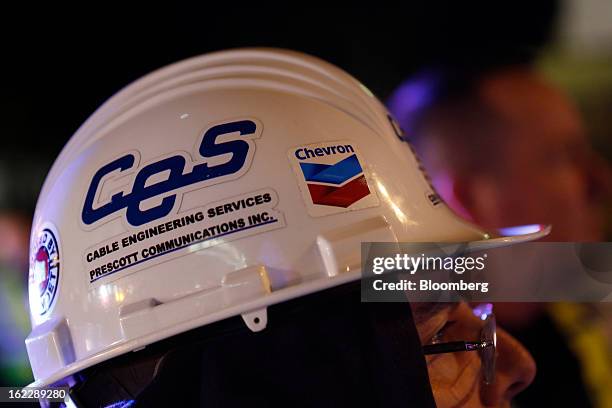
479	197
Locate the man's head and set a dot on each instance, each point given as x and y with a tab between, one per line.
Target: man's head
506	148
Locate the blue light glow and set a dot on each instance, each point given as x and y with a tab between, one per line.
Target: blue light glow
520	230
483	310
121	404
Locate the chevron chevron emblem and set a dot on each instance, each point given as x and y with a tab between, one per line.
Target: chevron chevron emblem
348	184
333	177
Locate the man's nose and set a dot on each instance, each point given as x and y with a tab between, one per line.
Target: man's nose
514	371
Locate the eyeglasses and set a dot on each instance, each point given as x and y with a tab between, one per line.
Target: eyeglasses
486	346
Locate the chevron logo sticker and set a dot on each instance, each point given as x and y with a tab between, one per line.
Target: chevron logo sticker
331	178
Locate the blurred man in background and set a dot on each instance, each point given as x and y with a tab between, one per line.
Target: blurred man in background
506	148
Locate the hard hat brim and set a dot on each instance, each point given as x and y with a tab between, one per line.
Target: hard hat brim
512	236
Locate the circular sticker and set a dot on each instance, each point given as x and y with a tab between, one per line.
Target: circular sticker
44	272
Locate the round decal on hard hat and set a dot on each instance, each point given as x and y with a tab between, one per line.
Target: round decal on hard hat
44	272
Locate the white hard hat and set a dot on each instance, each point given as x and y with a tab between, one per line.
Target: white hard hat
212	188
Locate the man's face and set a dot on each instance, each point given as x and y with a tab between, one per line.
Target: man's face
550	175
456	378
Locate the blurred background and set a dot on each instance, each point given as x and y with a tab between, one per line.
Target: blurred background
60	65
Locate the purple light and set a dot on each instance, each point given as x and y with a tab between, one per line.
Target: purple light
483	310
520	230
411	97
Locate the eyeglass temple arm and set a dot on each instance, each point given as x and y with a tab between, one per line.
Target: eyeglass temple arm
455	346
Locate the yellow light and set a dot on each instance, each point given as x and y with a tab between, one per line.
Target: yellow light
119	296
